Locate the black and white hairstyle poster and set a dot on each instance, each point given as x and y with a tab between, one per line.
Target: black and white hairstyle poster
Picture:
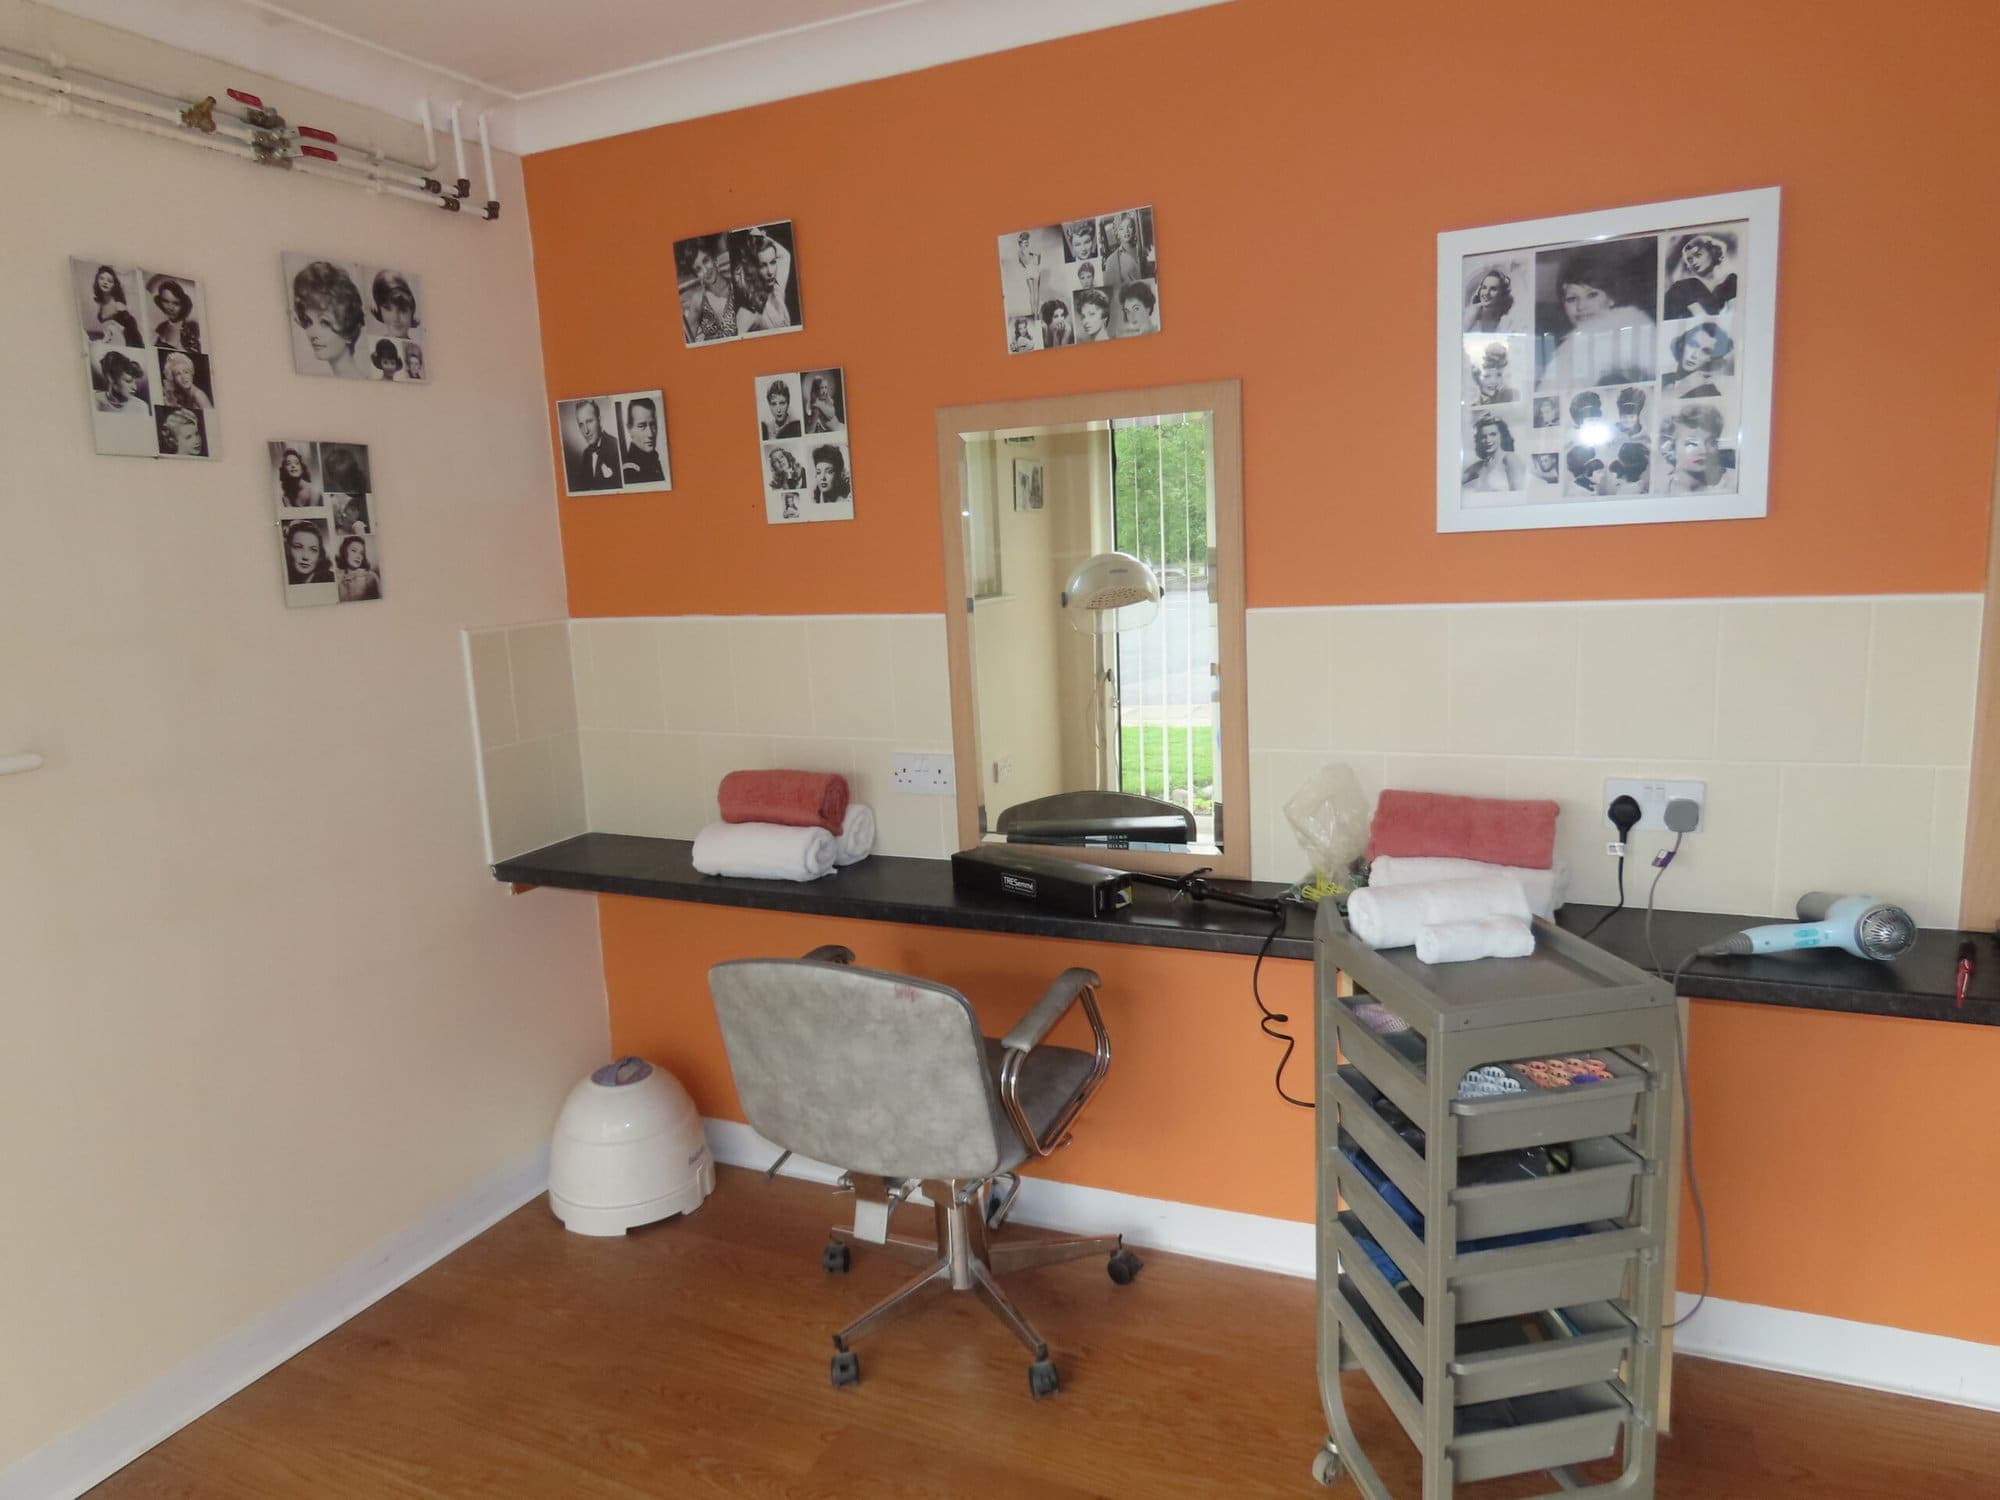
152	389
1616	371
329	536
355	321
614	444
739	284
1086	281
802	446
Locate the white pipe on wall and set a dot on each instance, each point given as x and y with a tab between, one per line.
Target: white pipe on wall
458	149
14	765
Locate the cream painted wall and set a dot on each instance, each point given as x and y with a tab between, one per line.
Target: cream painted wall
262	1005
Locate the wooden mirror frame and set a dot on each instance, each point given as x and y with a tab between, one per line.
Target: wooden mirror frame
1223	398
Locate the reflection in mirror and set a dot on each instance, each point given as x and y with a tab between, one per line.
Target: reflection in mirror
1093	651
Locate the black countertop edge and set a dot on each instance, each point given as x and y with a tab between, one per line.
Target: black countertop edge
919	892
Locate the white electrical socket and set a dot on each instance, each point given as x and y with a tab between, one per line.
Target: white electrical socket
1653	795
922	775
1003	770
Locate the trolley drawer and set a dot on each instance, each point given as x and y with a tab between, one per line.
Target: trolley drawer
1558	1273
1584	1345
1397	1073
1537	1432
1538	1116
1597	1186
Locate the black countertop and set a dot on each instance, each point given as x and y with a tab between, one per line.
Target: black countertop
887	888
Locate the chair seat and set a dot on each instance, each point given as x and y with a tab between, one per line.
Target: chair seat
1049	1079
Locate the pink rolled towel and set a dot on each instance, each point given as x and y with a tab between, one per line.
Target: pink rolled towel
797	799
1493	830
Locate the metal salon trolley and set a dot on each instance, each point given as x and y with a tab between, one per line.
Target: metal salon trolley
1499	1270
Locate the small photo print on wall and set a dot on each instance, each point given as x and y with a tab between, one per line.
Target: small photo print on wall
739	284
1027	484
615	444
355	321
802	446
322	495
152	389
1085	281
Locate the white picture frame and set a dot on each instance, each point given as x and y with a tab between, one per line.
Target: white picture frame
1526	388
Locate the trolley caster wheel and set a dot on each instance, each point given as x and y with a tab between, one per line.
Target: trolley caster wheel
834	1260
846	1369
1042	1379
1327	1467
1124	1267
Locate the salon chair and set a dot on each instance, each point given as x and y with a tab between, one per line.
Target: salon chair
890	1079
1107	819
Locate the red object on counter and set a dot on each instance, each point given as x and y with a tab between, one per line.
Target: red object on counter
797	799
1492	830
1964	981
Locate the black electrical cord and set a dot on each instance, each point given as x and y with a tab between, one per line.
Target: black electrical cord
1616	909
1274	1019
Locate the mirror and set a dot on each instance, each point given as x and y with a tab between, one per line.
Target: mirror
1097	664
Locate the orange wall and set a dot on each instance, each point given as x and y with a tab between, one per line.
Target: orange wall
1846	1161
1301	157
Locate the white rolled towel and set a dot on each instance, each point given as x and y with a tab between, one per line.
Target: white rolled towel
1489	937
857	835
1389	916
764	851
1545	889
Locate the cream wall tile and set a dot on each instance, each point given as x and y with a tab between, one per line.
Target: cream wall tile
544	689
1467	775
697	685
567	813
1577	787
852	685
1290	708
492	688
716	755
1646	683
815	753
643	783
1858	830
519	797
924	827
1513	681
1791	681
1388	679
1950	813
769	658
1923	680
922	680
618	674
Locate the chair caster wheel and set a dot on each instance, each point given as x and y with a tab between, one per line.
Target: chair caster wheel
1123	1267
1327	1467
846	1369
834	1260
1042	1379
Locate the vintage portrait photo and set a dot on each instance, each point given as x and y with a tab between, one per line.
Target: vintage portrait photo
355	321
802	446
152	390
1027	484
322	498
615	444
1608	368
1083	281
738	284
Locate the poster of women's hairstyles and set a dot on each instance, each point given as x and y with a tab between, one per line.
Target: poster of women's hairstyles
1086	281
615	444
356	321
739	284
152	388
802	446
329	535
1608	368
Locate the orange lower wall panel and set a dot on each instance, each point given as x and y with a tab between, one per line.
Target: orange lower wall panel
1849	1163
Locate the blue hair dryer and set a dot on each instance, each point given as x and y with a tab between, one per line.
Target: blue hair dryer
1865	927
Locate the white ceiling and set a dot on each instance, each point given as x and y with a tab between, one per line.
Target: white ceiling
555	72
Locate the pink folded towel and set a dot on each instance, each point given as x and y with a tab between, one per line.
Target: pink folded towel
797	799
1493	830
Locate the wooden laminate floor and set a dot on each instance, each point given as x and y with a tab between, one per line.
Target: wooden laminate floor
690	1359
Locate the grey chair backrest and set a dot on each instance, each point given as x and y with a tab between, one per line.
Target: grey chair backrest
866	1071
1087	812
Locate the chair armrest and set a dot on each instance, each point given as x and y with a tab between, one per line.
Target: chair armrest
1028	1032
829	953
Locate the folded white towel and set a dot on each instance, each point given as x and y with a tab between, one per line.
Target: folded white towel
764	851
1545	889
857	835
1489	937
1388	916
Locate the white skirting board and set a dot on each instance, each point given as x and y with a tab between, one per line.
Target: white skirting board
88	1454
1742	1333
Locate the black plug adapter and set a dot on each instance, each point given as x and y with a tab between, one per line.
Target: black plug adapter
1624	815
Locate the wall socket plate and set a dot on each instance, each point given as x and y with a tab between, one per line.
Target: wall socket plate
1653	795
922	775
